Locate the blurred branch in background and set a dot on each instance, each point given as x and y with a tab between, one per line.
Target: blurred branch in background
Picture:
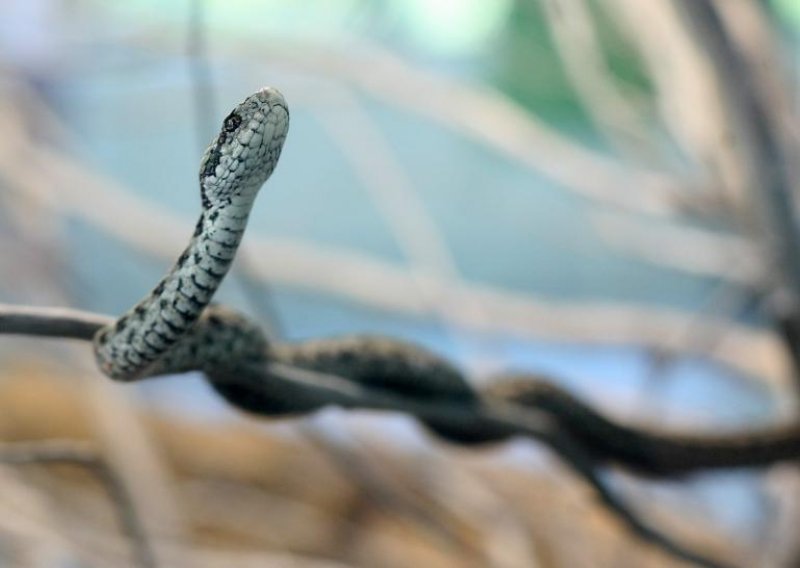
391	191
618	115
730	258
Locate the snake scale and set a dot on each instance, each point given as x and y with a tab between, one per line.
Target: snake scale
175	329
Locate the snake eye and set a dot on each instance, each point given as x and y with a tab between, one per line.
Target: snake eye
232	122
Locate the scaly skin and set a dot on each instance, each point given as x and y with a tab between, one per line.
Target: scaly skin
233	169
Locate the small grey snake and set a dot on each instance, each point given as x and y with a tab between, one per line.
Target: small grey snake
175	329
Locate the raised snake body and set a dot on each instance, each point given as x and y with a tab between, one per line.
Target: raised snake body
233	169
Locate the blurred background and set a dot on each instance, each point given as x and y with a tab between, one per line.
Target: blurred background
597	191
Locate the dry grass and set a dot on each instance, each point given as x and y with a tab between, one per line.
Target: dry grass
251	495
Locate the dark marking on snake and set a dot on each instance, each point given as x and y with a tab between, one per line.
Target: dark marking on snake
232	122
201	287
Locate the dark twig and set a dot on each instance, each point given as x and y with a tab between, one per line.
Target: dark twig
50	322
83	455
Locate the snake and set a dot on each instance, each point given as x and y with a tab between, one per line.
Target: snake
239	160
176	328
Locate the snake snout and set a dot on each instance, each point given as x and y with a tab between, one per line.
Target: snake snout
271	97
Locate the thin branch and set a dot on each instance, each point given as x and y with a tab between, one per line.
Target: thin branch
50	322
735	260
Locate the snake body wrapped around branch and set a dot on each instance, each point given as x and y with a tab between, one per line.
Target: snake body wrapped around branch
174	330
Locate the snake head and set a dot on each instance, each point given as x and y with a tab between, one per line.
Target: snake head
246	150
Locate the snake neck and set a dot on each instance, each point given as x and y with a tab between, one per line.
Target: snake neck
125	349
